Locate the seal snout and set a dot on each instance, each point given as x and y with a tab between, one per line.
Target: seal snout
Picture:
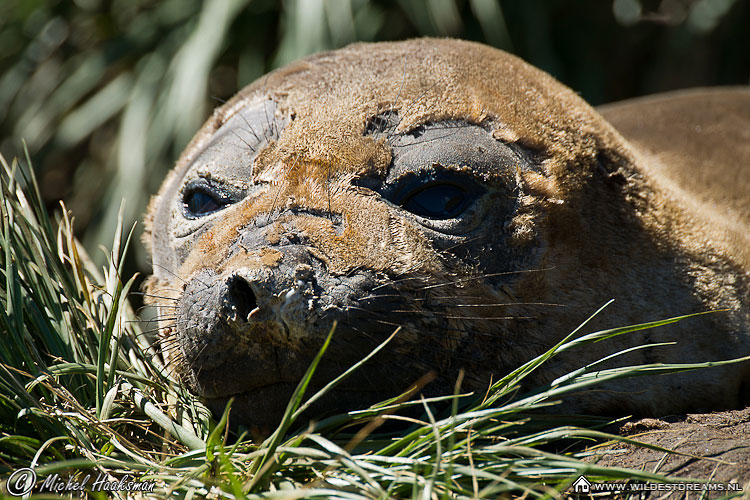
229	330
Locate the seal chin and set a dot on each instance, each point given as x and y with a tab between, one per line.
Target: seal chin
261	407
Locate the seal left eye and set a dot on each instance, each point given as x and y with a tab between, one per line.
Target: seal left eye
198	202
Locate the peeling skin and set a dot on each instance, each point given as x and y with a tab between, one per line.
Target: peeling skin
309	161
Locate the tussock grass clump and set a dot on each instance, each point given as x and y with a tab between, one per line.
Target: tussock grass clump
78	375
83	391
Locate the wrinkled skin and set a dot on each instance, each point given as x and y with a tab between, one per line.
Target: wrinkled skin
446	189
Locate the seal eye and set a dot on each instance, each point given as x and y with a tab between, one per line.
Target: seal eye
199	203
437	194
438	200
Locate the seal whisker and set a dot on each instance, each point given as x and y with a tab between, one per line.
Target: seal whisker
252	130
146	333
158	306
140	310
162	297
251	148
419	263
401	279
153	320
492	304
381	296
482	276
177	276
479	318
170	345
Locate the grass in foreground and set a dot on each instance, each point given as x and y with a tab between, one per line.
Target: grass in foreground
83	392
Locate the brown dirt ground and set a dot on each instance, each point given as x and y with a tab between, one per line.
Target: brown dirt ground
710	446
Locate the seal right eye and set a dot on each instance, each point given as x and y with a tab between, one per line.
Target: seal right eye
199	202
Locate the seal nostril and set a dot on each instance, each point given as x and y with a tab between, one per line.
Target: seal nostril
242	298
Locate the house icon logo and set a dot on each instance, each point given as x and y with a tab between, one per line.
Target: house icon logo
582	485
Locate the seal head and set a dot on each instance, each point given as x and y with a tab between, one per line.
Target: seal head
441	187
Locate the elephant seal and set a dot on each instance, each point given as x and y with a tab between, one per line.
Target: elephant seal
452	190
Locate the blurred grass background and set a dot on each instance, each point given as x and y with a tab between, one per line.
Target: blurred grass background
106	93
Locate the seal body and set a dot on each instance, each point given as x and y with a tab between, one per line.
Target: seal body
455	192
